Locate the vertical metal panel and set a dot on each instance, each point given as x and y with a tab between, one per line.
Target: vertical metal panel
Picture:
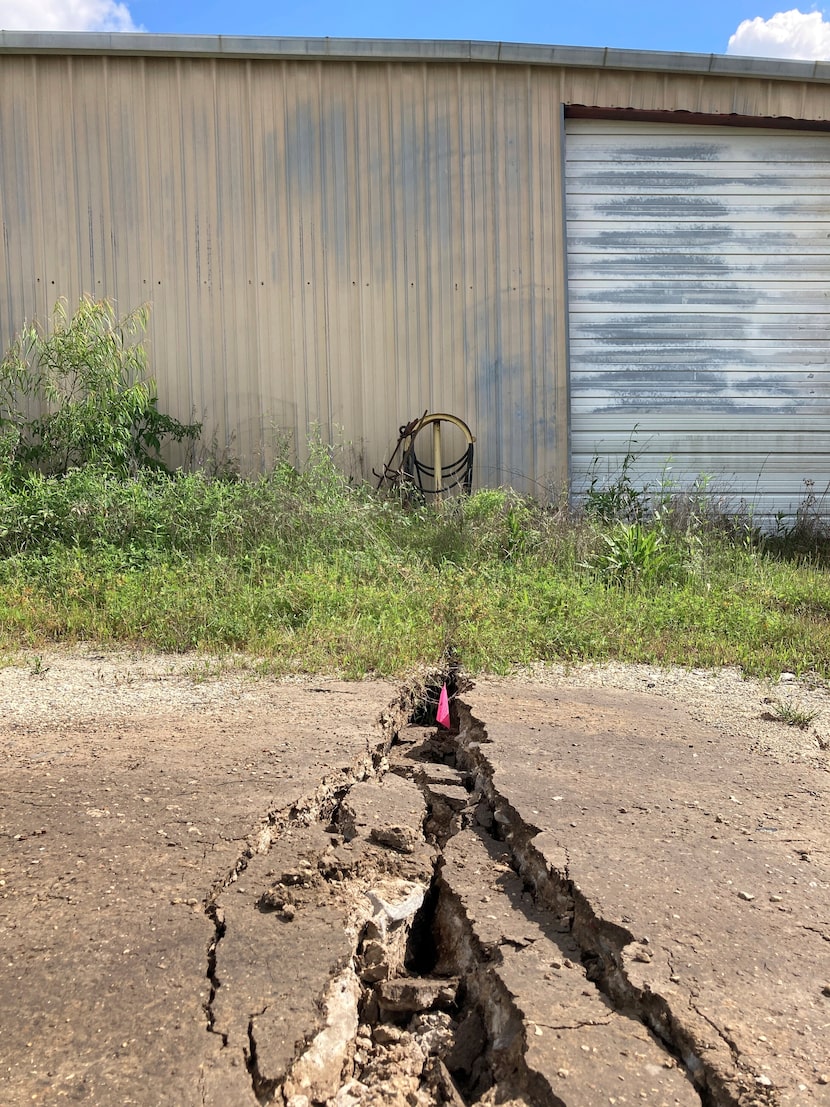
698	261
324	244
718	95
340	244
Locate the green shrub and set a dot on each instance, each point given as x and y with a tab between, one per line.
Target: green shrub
78	394
634	553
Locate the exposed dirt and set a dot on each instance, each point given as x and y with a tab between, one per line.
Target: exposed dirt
606	885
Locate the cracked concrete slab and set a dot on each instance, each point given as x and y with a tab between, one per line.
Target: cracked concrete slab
578	898
116	827
699	874
565	1037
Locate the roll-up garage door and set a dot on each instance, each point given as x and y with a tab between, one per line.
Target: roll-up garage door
699	308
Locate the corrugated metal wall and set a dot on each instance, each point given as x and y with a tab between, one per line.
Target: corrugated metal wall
324	244
341	243
699	260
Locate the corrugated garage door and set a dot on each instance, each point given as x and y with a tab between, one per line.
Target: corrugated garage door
699	284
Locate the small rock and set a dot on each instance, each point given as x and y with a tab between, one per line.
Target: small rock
416	993
484	815
786	678
402	839
764	1081
350	1095
776	899
748	896
824	1078
386	1035
825	991
273	899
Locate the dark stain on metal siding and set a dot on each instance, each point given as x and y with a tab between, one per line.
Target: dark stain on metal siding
686	181
661	207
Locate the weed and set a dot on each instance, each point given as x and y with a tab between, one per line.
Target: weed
633	553
781	712
806	536
37	668
617	498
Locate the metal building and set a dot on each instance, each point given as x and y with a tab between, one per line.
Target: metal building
581	252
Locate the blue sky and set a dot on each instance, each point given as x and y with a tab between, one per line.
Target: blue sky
754	27
651	26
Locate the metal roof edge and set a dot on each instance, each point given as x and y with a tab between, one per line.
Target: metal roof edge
129	43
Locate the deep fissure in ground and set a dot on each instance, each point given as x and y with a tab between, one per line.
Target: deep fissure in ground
434	1022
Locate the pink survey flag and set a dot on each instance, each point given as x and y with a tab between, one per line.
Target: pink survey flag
443	713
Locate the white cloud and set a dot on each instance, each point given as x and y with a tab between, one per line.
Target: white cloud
65	15
791	34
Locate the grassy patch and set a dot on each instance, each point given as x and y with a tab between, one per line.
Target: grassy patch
311	573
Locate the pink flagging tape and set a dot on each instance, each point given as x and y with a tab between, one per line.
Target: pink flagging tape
443	714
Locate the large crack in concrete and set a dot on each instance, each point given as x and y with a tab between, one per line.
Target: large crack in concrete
273	827
591	947
403	938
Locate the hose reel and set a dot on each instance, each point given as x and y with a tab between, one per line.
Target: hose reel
437	478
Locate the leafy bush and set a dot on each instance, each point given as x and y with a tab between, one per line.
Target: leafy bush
78	394
633	553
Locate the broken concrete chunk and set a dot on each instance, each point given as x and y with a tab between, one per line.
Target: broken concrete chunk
416	994
434	1031
318	1072
390	813
455	797
372	963
431	774
399	908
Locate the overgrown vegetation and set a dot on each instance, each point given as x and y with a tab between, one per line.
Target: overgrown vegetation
79	394
306	571
310	572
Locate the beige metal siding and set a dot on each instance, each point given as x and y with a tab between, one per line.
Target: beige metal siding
327	245
338	243
699	260
695	92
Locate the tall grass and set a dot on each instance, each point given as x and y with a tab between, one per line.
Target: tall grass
313	573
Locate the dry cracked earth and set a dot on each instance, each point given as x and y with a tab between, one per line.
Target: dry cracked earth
598	887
